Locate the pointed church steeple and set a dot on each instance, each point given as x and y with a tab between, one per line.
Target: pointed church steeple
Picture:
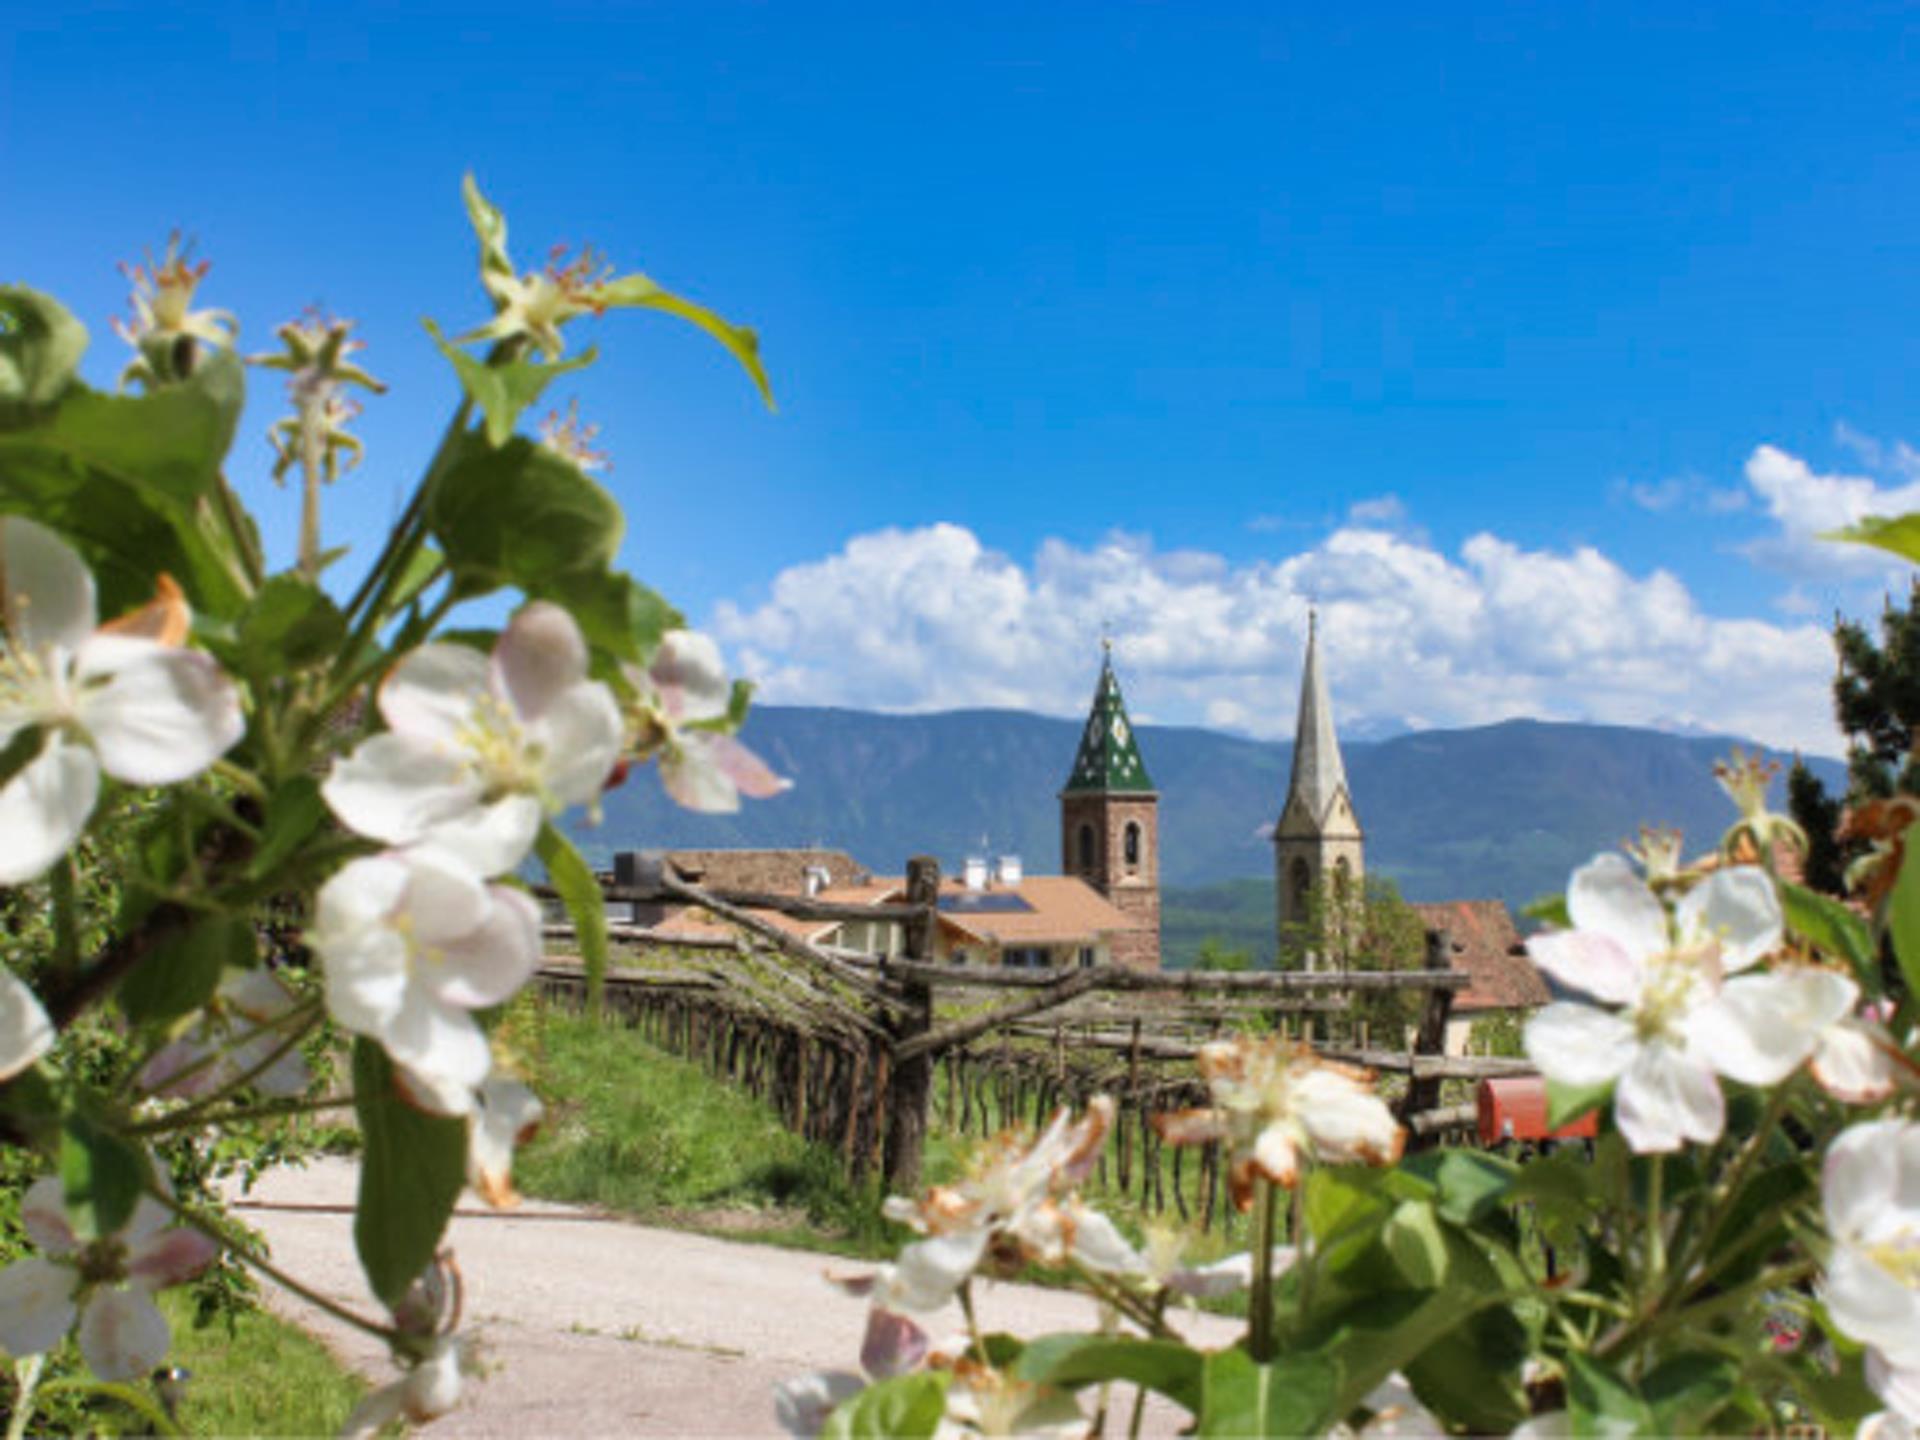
1110	821
1319	775
1109	757
1317	841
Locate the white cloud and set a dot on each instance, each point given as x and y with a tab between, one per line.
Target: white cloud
930	619
1385	511
1803	502
1690	491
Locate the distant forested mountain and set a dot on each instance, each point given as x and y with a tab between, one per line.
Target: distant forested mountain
1501	811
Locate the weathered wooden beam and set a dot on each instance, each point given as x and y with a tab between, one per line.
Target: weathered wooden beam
1448	1117
1121	978
912	1074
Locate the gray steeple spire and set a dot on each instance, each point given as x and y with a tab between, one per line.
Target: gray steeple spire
1318	773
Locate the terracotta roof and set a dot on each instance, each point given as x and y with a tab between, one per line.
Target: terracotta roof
1487	947
1065	909
771	872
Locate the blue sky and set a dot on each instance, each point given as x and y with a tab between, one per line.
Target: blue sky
1469	322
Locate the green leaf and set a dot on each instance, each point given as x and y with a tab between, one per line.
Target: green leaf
1899	534
1903	912
1418	1248
1294	1395
1602	1404
503	392
519	515
618	615
586	905
907	1407
184	970
1567	1103
294	812
40	348
1685	1392
1469	1183
101	1177
421	568
1549	910
411	1170
1826	923
489	225
128	479
291	623
1075	1360
1470	1375
636	291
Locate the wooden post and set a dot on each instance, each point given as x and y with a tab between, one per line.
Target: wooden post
1423	1093
912	1079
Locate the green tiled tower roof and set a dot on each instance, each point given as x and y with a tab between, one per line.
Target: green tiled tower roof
1109	758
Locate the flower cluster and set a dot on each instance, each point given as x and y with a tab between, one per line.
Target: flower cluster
1670	1023
680	713
1278	1105
165	327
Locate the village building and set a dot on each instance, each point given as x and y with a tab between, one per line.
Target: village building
1104	910
1319	856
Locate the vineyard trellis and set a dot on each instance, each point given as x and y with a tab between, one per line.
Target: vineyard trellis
858	1052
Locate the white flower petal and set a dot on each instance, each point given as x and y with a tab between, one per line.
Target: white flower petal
170	1257
46	591
1589	962
1345	1121
929	1271
1854	1062
1579	1045
508	1114
44	808
444	1043
581	735
540	657
1224	1277
1099	1245
1665	1098
43	1215
36	1305
435	1093
148	1219
748	772
1860	1177
1606	897
363	893
489	963
490	839
693	778
25	1031
1898	1384
397	787
1761	1028
156	714
1868	1303
893	1344
802	1404
1740	909
431	693
692	679
375	1413
432	1387
123	1335
445	899
366	974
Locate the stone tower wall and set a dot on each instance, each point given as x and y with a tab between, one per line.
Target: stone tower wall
1133	890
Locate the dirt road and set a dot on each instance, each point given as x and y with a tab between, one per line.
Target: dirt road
593	1326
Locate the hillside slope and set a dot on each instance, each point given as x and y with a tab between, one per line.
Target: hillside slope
1505	810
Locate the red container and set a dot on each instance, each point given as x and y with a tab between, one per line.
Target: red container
1515	1108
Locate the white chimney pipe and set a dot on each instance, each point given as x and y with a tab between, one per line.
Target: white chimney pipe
1010	871
976	872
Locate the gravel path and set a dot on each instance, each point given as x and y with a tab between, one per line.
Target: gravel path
594	1326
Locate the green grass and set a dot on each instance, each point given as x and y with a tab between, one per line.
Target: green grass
637	1131
265	1378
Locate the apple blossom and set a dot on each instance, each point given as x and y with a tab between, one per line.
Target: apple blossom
1276	1104
162	294
679	699
1681	1024
239	1034
126	698
986	1401
572	439
1870	1191
412	942
481	748
802	1404
106	1284
25	1031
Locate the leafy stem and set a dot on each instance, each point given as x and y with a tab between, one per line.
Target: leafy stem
1260	1332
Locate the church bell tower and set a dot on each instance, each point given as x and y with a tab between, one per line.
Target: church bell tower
1110	822
1317	841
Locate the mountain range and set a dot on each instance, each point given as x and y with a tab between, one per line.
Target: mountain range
1501	811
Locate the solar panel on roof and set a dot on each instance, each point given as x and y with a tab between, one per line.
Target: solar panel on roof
974	902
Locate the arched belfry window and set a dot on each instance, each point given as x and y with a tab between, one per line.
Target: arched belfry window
1299	883
1342	877
1085	841
1131	845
